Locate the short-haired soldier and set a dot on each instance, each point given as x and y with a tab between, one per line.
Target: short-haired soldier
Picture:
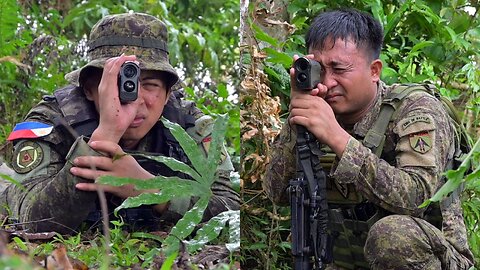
373	200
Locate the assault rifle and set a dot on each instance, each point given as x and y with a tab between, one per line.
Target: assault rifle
308	195
309	209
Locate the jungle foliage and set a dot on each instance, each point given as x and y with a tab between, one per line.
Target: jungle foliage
435	41
41	41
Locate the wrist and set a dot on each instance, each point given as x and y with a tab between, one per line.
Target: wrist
339	142
100	134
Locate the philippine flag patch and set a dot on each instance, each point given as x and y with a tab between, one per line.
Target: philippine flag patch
29	130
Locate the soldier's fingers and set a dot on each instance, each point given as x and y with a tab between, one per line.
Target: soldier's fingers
108	147
86	186
299	120
113	64
85	173
93	162
301	112
95	187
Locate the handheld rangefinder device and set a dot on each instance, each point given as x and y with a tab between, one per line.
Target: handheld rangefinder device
308	73
128	82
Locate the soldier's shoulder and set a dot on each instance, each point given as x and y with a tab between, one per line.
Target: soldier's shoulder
202	129
419	101
178	101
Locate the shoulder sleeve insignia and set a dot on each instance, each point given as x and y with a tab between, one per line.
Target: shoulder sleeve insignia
421	142
29	130
27	156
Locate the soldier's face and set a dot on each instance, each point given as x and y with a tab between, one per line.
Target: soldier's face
152	97
351	78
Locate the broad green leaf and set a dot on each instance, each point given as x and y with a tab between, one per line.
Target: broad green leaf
455	177
216	146
234	231
174	165
147	236
261	35
277	57
211	230
158	182
207	233
421	45
185	225
167	265
187	143
452	33
160	197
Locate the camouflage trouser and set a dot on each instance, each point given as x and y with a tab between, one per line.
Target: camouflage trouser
403	242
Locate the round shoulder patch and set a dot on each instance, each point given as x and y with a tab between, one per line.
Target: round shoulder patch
27	156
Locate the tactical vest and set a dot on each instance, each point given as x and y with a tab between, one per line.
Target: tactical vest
165	144
349	223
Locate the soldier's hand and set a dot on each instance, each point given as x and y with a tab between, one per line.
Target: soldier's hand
116	163
313	112
115	117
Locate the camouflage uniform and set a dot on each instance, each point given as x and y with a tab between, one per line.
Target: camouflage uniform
49	200
362	189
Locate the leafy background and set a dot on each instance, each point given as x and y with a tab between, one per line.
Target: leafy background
41	41
429	40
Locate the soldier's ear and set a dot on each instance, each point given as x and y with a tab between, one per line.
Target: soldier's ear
88	93
376	69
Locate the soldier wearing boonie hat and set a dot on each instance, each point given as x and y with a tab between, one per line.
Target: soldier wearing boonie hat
137	34
84	125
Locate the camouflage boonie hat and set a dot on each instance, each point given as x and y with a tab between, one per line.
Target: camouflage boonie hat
136	34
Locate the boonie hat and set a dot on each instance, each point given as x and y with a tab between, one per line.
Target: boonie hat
137	34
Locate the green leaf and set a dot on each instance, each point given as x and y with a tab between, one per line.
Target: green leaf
212	229
261	35
163	196
452	33
421	45
187	143
20	244
234	231
279	57
394	18
168	263
216	146
13	181
185	226
158	182
147	236
222	90
174	165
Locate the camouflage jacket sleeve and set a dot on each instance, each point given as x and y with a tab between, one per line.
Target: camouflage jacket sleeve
224	197
47	199
420	140
282	165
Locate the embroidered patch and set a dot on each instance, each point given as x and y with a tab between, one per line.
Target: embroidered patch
415	119
27	156
342	188
421	142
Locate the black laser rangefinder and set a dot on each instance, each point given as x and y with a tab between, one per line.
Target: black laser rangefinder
308	73
128	82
